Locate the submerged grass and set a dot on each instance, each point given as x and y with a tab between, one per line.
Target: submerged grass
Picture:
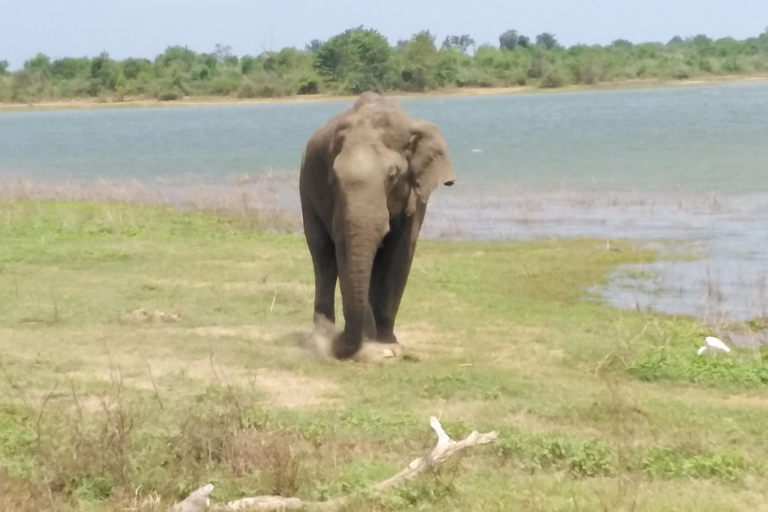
105	408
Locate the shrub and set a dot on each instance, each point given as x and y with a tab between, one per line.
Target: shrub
668	462
166	91
266	85
226	83
553	79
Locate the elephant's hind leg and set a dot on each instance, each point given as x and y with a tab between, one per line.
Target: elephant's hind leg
390	272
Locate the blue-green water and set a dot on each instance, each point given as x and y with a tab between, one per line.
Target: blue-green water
690	139
687	163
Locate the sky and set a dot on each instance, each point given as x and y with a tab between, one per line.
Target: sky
144	28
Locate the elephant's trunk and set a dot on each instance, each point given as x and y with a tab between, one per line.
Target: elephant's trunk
364	222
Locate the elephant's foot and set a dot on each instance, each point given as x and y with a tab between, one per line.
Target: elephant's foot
375	352
327	342
387	337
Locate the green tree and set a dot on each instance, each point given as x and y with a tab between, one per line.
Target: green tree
183	56
509	40
221	55
449	62
40	63
105	73
248	64
420	61
546	40
462	43
524	41
173	83
201	72
132	68
26	85
3	67
621	43
223	52
357	60
282	61
69	68
205	66
540	66
701	40
314	46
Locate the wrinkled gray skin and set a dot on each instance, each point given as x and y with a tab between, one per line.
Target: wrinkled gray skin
366	177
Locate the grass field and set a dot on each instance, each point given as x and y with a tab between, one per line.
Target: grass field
145	352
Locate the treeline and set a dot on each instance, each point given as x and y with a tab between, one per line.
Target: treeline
362	59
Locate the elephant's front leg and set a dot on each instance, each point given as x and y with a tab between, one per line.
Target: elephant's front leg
360	323
323	252
391	269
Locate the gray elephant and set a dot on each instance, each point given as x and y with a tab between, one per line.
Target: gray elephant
366	176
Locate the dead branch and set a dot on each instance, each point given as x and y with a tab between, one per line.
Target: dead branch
199	500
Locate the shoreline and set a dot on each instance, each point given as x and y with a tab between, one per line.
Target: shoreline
80	104
700	274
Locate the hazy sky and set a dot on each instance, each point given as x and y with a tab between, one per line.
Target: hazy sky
144	28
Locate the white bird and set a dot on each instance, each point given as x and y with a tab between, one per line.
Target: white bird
714	344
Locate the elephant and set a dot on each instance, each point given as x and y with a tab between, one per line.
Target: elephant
366	176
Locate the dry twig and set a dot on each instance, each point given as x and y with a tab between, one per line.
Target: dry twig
199	500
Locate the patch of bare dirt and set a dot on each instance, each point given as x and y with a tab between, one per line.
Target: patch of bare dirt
732	401
283	388
141	315
295	391
251	332
424	338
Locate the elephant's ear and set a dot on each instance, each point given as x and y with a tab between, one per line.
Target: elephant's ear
335	145
429	162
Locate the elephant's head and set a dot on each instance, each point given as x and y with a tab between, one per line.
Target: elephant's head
378	143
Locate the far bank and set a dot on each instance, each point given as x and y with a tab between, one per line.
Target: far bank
138	102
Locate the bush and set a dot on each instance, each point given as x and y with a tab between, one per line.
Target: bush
265	85
226	83
587	70
591	459
474	77
6	90
682	364
520	79
552	80
248	89
667	462
309	84
168	91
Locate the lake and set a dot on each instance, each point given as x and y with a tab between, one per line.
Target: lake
682	163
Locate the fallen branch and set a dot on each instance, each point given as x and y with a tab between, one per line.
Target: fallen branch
199	500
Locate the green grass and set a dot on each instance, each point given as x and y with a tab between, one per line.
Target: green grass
597	408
